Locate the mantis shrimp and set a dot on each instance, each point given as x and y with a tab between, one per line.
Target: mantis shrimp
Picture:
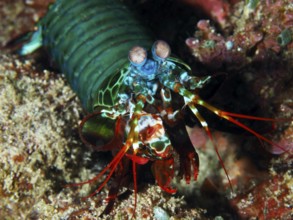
137	104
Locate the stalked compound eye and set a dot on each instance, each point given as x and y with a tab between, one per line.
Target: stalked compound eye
137	56
161	50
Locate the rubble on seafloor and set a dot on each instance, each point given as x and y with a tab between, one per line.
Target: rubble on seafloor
272	198
40	149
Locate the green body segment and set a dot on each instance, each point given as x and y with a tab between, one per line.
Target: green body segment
89	41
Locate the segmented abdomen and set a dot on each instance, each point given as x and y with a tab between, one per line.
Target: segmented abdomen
90	41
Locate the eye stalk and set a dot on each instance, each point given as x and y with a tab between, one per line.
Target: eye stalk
160	50
137	56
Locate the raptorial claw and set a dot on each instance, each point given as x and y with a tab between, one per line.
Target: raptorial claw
188	158
189	164
192	100
138	137
163	171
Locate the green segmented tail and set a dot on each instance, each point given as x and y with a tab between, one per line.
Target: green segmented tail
90	40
